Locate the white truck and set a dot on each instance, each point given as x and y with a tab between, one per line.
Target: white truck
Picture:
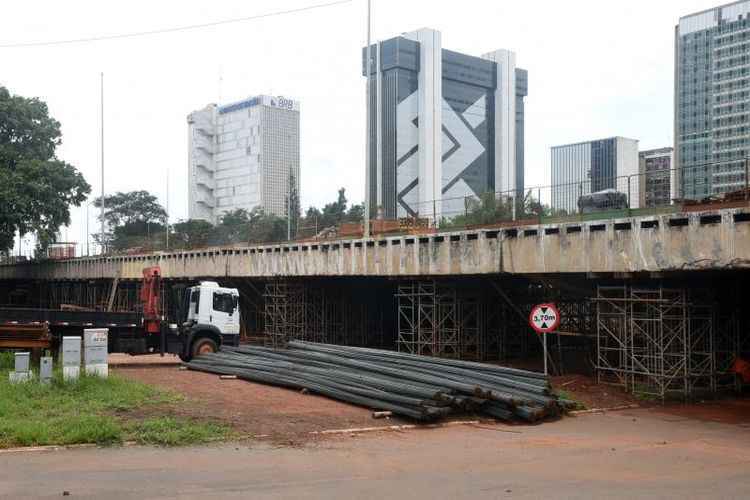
208	317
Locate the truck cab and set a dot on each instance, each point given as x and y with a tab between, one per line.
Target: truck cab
211	318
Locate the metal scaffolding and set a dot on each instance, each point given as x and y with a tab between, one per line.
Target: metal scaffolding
284	311
428	320
450	321
654	341
472	329
320	312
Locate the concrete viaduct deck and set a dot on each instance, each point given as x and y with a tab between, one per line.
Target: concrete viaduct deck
707	240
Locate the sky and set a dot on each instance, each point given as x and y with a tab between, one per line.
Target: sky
597	68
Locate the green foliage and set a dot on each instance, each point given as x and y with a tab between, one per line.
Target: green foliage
135	219
192	233
491	208
131	208
168	431
566	395
293	204
356	213
332	215
37	189
7	361
256	226
92	410
136	222
67	412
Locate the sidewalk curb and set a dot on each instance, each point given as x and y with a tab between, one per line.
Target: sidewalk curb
603	410
361	430
51	447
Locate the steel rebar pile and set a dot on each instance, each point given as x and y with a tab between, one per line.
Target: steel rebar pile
419	387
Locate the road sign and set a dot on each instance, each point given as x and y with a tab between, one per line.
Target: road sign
544	318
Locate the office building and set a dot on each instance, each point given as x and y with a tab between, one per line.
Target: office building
444	125
712	107
243	155
588	167
656	180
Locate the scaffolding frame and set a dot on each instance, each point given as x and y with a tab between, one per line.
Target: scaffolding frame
319	312
654	341
284	308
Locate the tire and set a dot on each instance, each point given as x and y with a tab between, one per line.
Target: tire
203	345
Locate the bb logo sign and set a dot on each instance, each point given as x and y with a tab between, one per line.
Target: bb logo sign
544	318
282	102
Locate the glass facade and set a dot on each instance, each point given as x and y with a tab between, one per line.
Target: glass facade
712	100
588	167
468	87
656	177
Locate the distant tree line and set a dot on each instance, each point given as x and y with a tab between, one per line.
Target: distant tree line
491	208
136	221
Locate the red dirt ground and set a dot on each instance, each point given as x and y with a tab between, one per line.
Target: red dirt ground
288	417
724	411
585	390
251	409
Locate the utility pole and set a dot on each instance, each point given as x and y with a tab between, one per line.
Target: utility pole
167	224
102	147
88	236
289	206
368	67
288	218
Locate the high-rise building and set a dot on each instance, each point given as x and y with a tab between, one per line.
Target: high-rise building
592	166
243	155
444	125
656	177
712	110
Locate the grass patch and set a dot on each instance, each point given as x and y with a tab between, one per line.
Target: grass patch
563	394
168	431
7	360
92	410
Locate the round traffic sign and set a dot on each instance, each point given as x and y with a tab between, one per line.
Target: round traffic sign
544	318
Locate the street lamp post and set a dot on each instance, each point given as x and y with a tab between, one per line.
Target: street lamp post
368	68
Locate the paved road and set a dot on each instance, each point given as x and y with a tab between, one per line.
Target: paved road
631	454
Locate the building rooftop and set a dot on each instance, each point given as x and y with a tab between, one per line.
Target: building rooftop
712	17
266	100
657	151
594	140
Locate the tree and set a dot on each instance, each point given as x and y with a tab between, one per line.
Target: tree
265	227
233	226
356	213
132	219
334	213
36	188
192	233
130	208
292	204
256	226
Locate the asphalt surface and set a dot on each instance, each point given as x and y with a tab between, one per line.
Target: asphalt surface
628	454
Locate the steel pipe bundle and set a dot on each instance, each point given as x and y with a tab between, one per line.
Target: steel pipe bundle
417	387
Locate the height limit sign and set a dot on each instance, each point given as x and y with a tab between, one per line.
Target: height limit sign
544	318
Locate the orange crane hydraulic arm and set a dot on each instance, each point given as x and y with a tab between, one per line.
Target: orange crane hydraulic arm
150	298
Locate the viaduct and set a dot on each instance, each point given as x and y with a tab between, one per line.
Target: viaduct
654	303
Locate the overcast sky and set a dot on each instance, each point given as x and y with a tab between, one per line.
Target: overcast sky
597	68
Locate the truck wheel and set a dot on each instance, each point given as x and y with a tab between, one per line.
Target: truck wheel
204	345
